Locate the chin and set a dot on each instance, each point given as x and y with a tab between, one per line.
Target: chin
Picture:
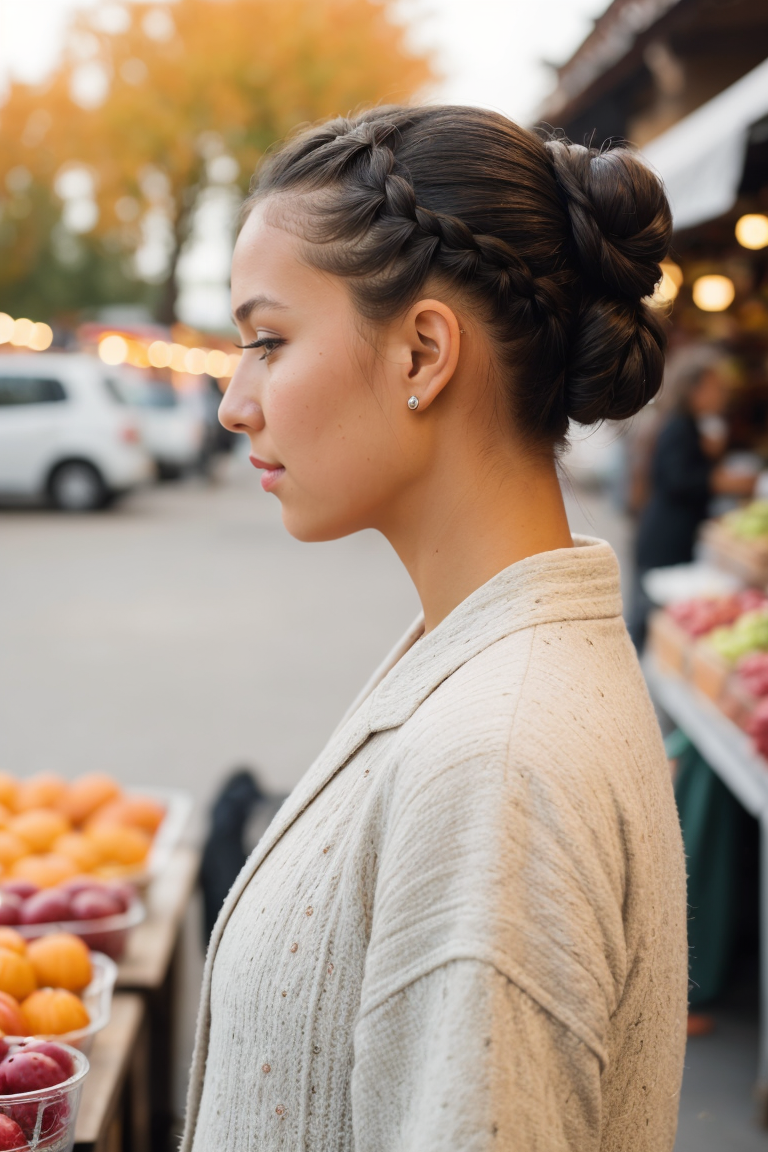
317	528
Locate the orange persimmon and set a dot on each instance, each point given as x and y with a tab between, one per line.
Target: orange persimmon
17	976
45	870
39	827
86	794
53	1011
61	960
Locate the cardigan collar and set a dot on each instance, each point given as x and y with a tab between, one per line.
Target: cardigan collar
578	583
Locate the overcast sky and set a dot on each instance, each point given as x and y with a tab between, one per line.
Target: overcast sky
492	52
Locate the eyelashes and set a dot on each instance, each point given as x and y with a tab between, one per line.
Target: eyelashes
268	343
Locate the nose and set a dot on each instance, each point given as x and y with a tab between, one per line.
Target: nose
239	411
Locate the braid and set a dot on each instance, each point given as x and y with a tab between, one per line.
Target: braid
554	246
383	204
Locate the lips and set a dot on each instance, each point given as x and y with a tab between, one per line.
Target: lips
263	464
271	473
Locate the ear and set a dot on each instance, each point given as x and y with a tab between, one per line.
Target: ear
431	337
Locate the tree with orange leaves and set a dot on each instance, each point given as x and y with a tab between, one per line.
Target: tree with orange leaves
152	106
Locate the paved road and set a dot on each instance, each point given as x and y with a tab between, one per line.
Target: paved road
184	632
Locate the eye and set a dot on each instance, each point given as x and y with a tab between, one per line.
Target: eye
268	343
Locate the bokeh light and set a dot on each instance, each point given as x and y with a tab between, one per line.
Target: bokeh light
178	356
113	349
194	361
668	287
713	293
6	327
752	230
22	332
159	354
41	338
217	363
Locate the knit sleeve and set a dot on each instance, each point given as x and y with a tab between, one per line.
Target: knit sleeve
464	1059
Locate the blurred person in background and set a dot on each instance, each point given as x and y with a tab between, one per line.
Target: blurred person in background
685	470
466	926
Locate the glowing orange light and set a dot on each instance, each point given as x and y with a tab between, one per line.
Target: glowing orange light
22	332
752	231
113	349
194	361
713	293
41	338
178	356
159	354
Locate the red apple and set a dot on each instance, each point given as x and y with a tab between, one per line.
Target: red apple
55	1116
125	893
55	1051
11	1136
21	888
81	884
46	907
10	908
28	1071
95	905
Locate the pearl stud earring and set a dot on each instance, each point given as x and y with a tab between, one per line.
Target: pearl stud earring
413	403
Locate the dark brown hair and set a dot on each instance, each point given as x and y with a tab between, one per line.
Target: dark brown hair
555	245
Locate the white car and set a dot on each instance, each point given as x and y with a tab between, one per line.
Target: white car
63	436
172	429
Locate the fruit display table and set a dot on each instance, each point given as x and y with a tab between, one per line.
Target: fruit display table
730	753
150	967
113	1113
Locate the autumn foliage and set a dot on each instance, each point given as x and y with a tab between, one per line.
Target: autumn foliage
162	104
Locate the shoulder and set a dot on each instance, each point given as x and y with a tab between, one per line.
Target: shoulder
556	693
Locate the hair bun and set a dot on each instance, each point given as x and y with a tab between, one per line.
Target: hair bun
621	226
620	217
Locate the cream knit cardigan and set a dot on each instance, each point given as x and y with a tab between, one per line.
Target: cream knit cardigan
465	929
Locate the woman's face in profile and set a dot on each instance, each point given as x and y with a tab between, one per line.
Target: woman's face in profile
314	399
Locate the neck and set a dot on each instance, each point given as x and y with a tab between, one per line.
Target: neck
462	526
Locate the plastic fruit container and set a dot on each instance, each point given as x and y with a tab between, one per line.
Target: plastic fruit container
108	934
97	998
47	1116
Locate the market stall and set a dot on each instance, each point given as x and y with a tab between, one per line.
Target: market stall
707	667
94	887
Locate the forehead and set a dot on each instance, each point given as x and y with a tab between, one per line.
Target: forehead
268	262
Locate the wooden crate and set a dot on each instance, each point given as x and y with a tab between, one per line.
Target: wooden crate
747	559
670	644
709	672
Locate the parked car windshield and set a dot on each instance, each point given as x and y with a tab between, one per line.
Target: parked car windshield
142	393
29	390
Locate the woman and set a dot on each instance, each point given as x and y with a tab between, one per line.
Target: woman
466	927
686	472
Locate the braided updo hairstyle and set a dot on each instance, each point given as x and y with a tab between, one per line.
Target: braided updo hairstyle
555	246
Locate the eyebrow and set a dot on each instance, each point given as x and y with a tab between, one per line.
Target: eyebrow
243	311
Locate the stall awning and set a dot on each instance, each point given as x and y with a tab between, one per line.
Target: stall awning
701	158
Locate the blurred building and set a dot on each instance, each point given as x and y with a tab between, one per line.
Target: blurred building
687	82
649	63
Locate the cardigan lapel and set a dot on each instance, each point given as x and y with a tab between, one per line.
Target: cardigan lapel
569	583
343	744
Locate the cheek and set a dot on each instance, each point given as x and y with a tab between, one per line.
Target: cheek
323	419
330	429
